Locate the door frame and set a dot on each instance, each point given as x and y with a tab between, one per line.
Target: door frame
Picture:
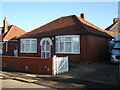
41	42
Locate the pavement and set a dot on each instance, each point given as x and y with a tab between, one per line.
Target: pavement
98	75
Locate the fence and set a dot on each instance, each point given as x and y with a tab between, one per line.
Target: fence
60	65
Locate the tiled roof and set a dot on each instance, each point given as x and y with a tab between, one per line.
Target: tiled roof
66	25
13	33
108	28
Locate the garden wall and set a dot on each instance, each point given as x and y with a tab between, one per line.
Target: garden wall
28	64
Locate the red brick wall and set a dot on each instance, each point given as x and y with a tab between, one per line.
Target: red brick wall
97	49
11	46
34	64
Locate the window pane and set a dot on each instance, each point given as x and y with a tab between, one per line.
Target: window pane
47	55
75	47
28	45
56	47
43	54
61	39
75	39
76	44
22	47
68	47
0	46
68	39
22	41
47	46
33	46
43	46
57	40
117	45
61	47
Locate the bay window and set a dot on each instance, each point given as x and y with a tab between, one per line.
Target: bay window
68	44
28	45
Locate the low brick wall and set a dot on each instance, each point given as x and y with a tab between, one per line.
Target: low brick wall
28	64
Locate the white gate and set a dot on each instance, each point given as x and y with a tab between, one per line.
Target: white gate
60	64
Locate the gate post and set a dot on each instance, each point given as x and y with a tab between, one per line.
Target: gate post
54	65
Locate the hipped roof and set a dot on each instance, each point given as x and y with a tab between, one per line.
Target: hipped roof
67	25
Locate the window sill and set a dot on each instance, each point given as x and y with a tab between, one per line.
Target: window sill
67	53
28	52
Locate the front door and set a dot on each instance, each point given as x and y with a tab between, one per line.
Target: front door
45	49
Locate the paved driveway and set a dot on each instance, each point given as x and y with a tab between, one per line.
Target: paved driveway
103	72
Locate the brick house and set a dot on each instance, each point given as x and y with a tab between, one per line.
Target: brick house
115	26
8	35
70	36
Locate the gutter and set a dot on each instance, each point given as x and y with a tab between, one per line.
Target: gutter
89	33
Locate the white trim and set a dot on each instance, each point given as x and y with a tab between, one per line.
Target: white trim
41	42
48	39
64	41
6	46
30	39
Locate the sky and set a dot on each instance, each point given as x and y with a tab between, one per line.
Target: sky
31	15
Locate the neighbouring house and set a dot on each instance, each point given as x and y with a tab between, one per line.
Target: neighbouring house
71	36
115	26
8	35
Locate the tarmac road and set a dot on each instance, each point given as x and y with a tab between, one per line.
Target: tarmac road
8	83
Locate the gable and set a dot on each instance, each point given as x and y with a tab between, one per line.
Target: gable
13	33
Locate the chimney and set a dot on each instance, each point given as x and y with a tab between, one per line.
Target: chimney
115	20
83	15
5	25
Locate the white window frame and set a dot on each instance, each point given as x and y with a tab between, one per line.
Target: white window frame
30	39
64	36
41	42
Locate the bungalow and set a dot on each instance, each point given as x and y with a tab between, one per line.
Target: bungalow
70	36
8	35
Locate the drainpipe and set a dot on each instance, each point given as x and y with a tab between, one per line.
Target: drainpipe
6	46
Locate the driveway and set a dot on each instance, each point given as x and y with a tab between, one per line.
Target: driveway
103	72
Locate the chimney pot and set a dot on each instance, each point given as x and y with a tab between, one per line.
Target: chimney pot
115	20
5	25
83	15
